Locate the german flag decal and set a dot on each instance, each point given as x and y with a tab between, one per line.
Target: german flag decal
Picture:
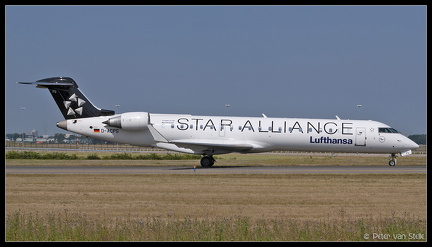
96	130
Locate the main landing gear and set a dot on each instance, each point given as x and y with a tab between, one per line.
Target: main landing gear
392	161
207	161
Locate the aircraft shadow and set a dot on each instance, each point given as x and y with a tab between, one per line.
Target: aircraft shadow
213	167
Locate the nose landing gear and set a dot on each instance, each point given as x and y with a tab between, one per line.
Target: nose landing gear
392	161
207	161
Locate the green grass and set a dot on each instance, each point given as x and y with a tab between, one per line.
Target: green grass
95	156
65	226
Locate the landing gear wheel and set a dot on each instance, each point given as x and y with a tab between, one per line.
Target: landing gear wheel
207	161
392	161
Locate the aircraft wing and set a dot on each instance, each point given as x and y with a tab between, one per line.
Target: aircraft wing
209	146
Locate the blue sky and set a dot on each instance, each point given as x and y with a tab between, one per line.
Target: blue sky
284	61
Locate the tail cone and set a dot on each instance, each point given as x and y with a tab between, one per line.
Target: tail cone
62	124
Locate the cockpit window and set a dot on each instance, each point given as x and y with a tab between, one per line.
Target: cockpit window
387	130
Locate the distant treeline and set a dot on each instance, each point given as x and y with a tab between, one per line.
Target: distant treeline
419	139
119	156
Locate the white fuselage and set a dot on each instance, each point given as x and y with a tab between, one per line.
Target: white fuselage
223	134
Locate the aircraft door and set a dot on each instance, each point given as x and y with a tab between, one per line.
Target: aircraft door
360	136
225	125
222	130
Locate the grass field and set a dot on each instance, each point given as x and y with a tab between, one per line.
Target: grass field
65	226
210	207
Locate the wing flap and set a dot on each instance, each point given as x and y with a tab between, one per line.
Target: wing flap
204	146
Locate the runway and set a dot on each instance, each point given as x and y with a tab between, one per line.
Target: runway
215	170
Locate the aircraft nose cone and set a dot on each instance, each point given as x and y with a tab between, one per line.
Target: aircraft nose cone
411	144
62	124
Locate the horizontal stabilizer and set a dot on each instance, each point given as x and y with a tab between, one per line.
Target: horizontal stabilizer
48	83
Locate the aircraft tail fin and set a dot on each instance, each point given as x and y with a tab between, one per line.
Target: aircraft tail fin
71	101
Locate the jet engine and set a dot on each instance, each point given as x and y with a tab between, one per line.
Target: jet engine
130	121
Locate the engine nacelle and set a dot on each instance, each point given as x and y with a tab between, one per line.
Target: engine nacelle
130	121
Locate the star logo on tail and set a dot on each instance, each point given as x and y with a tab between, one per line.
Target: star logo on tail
74	100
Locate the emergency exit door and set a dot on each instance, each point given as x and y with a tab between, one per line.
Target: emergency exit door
360	139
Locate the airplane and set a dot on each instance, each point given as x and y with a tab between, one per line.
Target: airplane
214	135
